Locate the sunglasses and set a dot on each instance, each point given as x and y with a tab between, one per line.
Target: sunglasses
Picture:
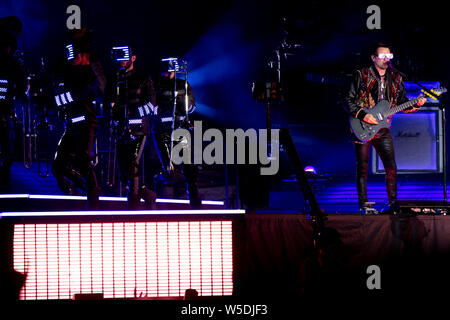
385	55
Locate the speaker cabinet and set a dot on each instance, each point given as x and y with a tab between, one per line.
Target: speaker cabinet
417	140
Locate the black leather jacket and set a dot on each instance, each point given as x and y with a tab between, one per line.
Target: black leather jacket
84	83
137	93
364	91
12	84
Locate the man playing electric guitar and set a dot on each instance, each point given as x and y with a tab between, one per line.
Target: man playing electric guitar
368	87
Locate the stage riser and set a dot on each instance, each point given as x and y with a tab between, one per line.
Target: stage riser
272	254
278	259
71	205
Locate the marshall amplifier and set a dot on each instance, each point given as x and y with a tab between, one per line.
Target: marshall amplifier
413	90
417	141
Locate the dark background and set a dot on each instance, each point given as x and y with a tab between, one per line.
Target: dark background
228	45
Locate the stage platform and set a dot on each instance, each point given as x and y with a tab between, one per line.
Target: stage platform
277	257
27	184
114	254
40	202
335	194
338	194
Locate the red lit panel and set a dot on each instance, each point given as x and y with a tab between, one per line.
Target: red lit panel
124	260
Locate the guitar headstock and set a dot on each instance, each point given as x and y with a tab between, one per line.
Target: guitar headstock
437	92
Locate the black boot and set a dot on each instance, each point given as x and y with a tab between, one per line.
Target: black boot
191	173
93	202
133	201
5	175
394	208
196	203
150	198
194	198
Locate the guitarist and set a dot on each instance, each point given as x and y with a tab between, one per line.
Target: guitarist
369	86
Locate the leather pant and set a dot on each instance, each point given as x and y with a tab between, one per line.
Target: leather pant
129	150
384	146
161	140
72	165
6	148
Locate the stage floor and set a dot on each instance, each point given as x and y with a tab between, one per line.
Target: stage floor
34	182
339	195
272	255
336	195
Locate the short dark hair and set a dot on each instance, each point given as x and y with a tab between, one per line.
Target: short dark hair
10	28
380	45
81	39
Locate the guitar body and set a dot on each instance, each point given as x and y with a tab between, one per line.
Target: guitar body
365	131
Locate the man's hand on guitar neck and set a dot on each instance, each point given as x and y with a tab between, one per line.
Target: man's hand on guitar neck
370	119
420	103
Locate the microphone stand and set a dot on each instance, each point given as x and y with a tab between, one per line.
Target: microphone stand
442	106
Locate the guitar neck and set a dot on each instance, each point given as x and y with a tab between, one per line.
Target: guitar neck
402	107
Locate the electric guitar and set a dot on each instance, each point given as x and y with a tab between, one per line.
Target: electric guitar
365	131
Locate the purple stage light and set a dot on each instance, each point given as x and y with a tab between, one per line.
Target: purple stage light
310	169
